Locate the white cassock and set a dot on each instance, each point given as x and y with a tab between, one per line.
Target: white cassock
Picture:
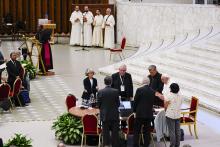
87	31
109	41
97	38
75	37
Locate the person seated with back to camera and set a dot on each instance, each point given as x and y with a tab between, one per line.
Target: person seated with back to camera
90	88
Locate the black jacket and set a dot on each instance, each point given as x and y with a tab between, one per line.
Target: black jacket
127	81
90	89
13	71
156	83
108	103
143	102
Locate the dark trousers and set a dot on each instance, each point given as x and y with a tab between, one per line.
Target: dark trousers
158	102
113	127
146	123
174	131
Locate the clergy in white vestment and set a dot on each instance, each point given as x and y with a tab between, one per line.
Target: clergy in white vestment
76	20
87	27
97	38
108	25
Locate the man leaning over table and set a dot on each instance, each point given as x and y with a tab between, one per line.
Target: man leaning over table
143	111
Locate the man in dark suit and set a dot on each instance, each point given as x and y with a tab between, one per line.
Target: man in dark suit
143	111
108	103
123	82
13	69
156	83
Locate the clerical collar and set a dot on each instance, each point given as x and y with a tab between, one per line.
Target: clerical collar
12	61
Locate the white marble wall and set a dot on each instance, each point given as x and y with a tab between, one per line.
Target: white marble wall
162	1
141	22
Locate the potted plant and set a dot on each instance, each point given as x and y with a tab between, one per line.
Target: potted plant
68	128
19	140
29	68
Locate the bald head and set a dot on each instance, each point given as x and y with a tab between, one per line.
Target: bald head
165	78
86	8
108	11
77	8
145	80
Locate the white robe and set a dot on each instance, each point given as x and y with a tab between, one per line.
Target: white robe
97	38
109	41
87	31
75	37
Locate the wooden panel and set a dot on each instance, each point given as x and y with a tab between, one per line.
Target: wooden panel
1	10
58	11
58	15
69	13
44	8
26	14
19	10
32	16
6	7
13	7
38	10
51	10
64	16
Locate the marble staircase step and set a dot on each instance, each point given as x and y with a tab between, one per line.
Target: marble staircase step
193	60
193	71
214	43
141	70
207	48
203	52
195	55
186	63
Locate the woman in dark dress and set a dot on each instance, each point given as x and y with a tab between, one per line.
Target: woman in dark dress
90	88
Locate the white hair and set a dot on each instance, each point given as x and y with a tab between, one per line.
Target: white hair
122	66
165	76
145	80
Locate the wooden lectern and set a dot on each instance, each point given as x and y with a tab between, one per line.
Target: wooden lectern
51	26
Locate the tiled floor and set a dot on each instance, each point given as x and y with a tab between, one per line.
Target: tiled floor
48	98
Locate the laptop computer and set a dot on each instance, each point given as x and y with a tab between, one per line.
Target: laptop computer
126	108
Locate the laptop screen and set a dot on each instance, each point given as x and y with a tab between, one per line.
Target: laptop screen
126	105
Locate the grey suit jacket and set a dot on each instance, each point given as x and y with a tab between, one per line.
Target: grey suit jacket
108	103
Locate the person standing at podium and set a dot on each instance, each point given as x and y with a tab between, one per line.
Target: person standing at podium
76	20
43	35
87	27
97	39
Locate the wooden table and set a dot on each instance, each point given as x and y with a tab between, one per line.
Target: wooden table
51	26
77	111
